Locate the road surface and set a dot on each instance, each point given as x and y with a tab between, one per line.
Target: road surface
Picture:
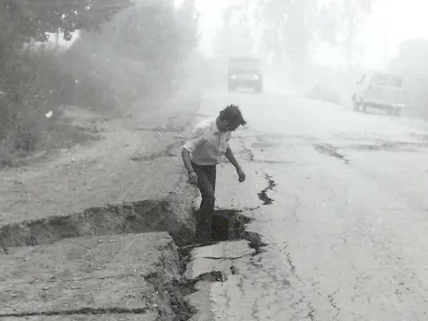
339	198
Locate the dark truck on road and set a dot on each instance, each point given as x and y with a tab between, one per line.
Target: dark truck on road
245	72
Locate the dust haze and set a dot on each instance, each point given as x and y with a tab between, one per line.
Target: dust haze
319	49
319	213
118	57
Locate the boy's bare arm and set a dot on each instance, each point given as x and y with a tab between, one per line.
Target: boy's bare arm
193	177
229	155
185	154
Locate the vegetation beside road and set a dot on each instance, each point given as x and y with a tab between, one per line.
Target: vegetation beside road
104	57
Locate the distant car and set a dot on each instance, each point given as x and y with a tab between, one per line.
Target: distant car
246	73
382	91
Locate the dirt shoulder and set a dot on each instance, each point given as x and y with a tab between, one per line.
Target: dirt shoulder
135	159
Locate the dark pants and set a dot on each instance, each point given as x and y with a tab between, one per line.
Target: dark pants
206	184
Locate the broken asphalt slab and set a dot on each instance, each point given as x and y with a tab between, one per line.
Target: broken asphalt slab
215	266
216	257
126	275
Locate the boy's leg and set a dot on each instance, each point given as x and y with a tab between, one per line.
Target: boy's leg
211	172
206	185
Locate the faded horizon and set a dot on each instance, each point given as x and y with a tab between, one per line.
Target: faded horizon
389	24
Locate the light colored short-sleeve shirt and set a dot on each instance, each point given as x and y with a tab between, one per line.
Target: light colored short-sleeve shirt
207	145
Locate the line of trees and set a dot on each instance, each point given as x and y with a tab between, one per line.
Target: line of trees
292	29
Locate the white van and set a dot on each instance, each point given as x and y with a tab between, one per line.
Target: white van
380	90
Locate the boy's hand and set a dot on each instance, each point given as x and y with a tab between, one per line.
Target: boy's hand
193	178
241	175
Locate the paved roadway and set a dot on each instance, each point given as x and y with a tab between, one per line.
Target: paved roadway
347	231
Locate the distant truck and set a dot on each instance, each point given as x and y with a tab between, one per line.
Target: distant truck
382	91
245	73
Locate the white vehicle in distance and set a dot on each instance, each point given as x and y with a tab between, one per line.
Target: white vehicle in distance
246	73
382	91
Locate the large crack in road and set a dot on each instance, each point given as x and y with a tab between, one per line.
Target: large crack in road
263	195
136	217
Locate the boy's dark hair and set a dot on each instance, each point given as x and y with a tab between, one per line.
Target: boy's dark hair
233	115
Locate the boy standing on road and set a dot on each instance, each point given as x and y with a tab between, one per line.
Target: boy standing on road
203	151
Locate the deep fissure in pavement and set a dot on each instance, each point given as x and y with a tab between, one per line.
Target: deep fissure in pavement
226	225
137	217
230	225
263	194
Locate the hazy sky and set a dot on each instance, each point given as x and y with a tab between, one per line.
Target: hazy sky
393	20
398	20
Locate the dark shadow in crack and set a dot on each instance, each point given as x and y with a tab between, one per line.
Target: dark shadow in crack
137	217
230	225
263	194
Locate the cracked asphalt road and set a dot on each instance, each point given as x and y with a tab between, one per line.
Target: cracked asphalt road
345	241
